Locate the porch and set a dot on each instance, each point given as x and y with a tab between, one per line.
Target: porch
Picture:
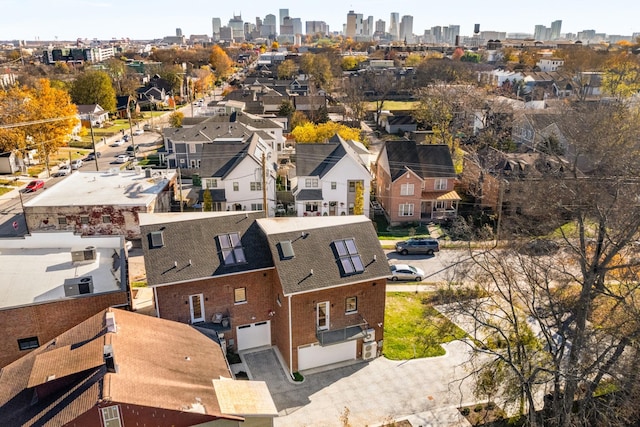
334	336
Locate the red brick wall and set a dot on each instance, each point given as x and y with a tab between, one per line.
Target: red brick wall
280	323
371	301
48	320
218	294
396	199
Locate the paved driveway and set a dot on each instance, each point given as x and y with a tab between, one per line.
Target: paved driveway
424	391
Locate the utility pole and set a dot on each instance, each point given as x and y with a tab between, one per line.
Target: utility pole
133	144
180	185
264	185
93	144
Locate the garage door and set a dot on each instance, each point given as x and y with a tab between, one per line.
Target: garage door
316	355
254	335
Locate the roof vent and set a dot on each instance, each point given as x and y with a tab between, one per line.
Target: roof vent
87	254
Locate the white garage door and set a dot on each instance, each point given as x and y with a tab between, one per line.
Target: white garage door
316	355
254	335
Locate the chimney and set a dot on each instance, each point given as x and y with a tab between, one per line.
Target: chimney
109	359
111	321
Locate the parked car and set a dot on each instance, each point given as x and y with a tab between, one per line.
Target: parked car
138	131
63	170
406	272
539	247
76	164
418	246
34	185
118	142
93	155
122	158
130	149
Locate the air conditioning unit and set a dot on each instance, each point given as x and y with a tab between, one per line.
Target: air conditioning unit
369	335
78	286
369	350
87	254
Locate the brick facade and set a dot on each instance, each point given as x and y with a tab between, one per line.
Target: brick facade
48	320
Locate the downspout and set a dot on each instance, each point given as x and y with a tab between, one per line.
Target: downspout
155	301
290	340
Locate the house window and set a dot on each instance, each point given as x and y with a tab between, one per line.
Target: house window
84	220
193	164
311	207
406	209
406	190
106	219
192	148
182	161
334	185
351	206
352	186
256	186
439	204
348	256
111	416
351	305
311	182
236	186
231	249
240	295
211	183
441	184
62	220
256	206
28	343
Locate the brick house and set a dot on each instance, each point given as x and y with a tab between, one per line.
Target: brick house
109	370
415	182
312	287
53	281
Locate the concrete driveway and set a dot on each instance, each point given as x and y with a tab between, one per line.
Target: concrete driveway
426	392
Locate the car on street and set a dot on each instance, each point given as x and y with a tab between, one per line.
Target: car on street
63	170
130	149
34	185
118	142
417	245
76	164
93	155
138	131
406	272
122	158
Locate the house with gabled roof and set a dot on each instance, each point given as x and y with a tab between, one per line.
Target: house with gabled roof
416	182
118	368
93	113
232	172
314	288
327	178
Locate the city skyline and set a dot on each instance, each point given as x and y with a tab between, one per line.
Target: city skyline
108	19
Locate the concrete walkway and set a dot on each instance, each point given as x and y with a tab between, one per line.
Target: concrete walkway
426	392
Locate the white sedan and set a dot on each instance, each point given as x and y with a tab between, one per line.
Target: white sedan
406	272
122	158
118	142
138	131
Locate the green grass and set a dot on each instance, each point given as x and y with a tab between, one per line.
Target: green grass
10	182
414	329
4	190
142	284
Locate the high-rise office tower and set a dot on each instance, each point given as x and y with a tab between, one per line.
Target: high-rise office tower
237	25
352	24
406	28
269	27
394	26
316	27
380	26
178	32
556	26
216	25
367	26
283	14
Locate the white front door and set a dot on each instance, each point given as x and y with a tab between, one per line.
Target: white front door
196	307
322	319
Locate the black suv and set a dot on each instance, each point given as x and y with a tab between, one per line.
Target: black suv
418	246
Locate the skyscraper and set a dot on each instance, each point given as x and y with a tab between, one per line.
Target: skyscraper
394	26
269	27
237	25
283	14
178	32
406	28
556	26
354	22
216	24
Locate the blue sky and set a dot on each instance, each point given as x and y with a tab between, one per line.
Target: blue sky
138	19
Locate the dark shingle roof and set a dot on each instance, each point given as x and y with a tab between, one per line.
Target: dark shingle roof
315	251
427	161
219	158
304	195
317	159
192	243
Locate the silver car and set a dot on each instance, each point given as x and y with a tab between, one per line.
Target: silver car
406	272
418	246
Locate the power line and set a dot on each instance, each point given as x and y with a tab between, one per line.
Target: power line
36	122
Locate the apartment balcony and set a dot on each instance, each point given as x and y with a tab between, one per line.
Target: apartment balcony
349	333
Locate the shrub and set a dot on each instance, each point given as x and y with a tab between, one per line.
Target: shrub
465	411
477	408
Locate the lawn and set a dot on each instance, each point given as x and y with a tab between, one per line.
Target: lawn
414	329
4	190
394	105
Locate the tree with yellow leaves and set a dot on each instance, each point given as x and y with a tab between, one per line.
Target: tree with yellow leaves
220	61
43	116
358	203
312	133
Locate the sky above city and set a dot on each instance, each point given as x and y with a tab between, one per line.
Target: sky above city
138	19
